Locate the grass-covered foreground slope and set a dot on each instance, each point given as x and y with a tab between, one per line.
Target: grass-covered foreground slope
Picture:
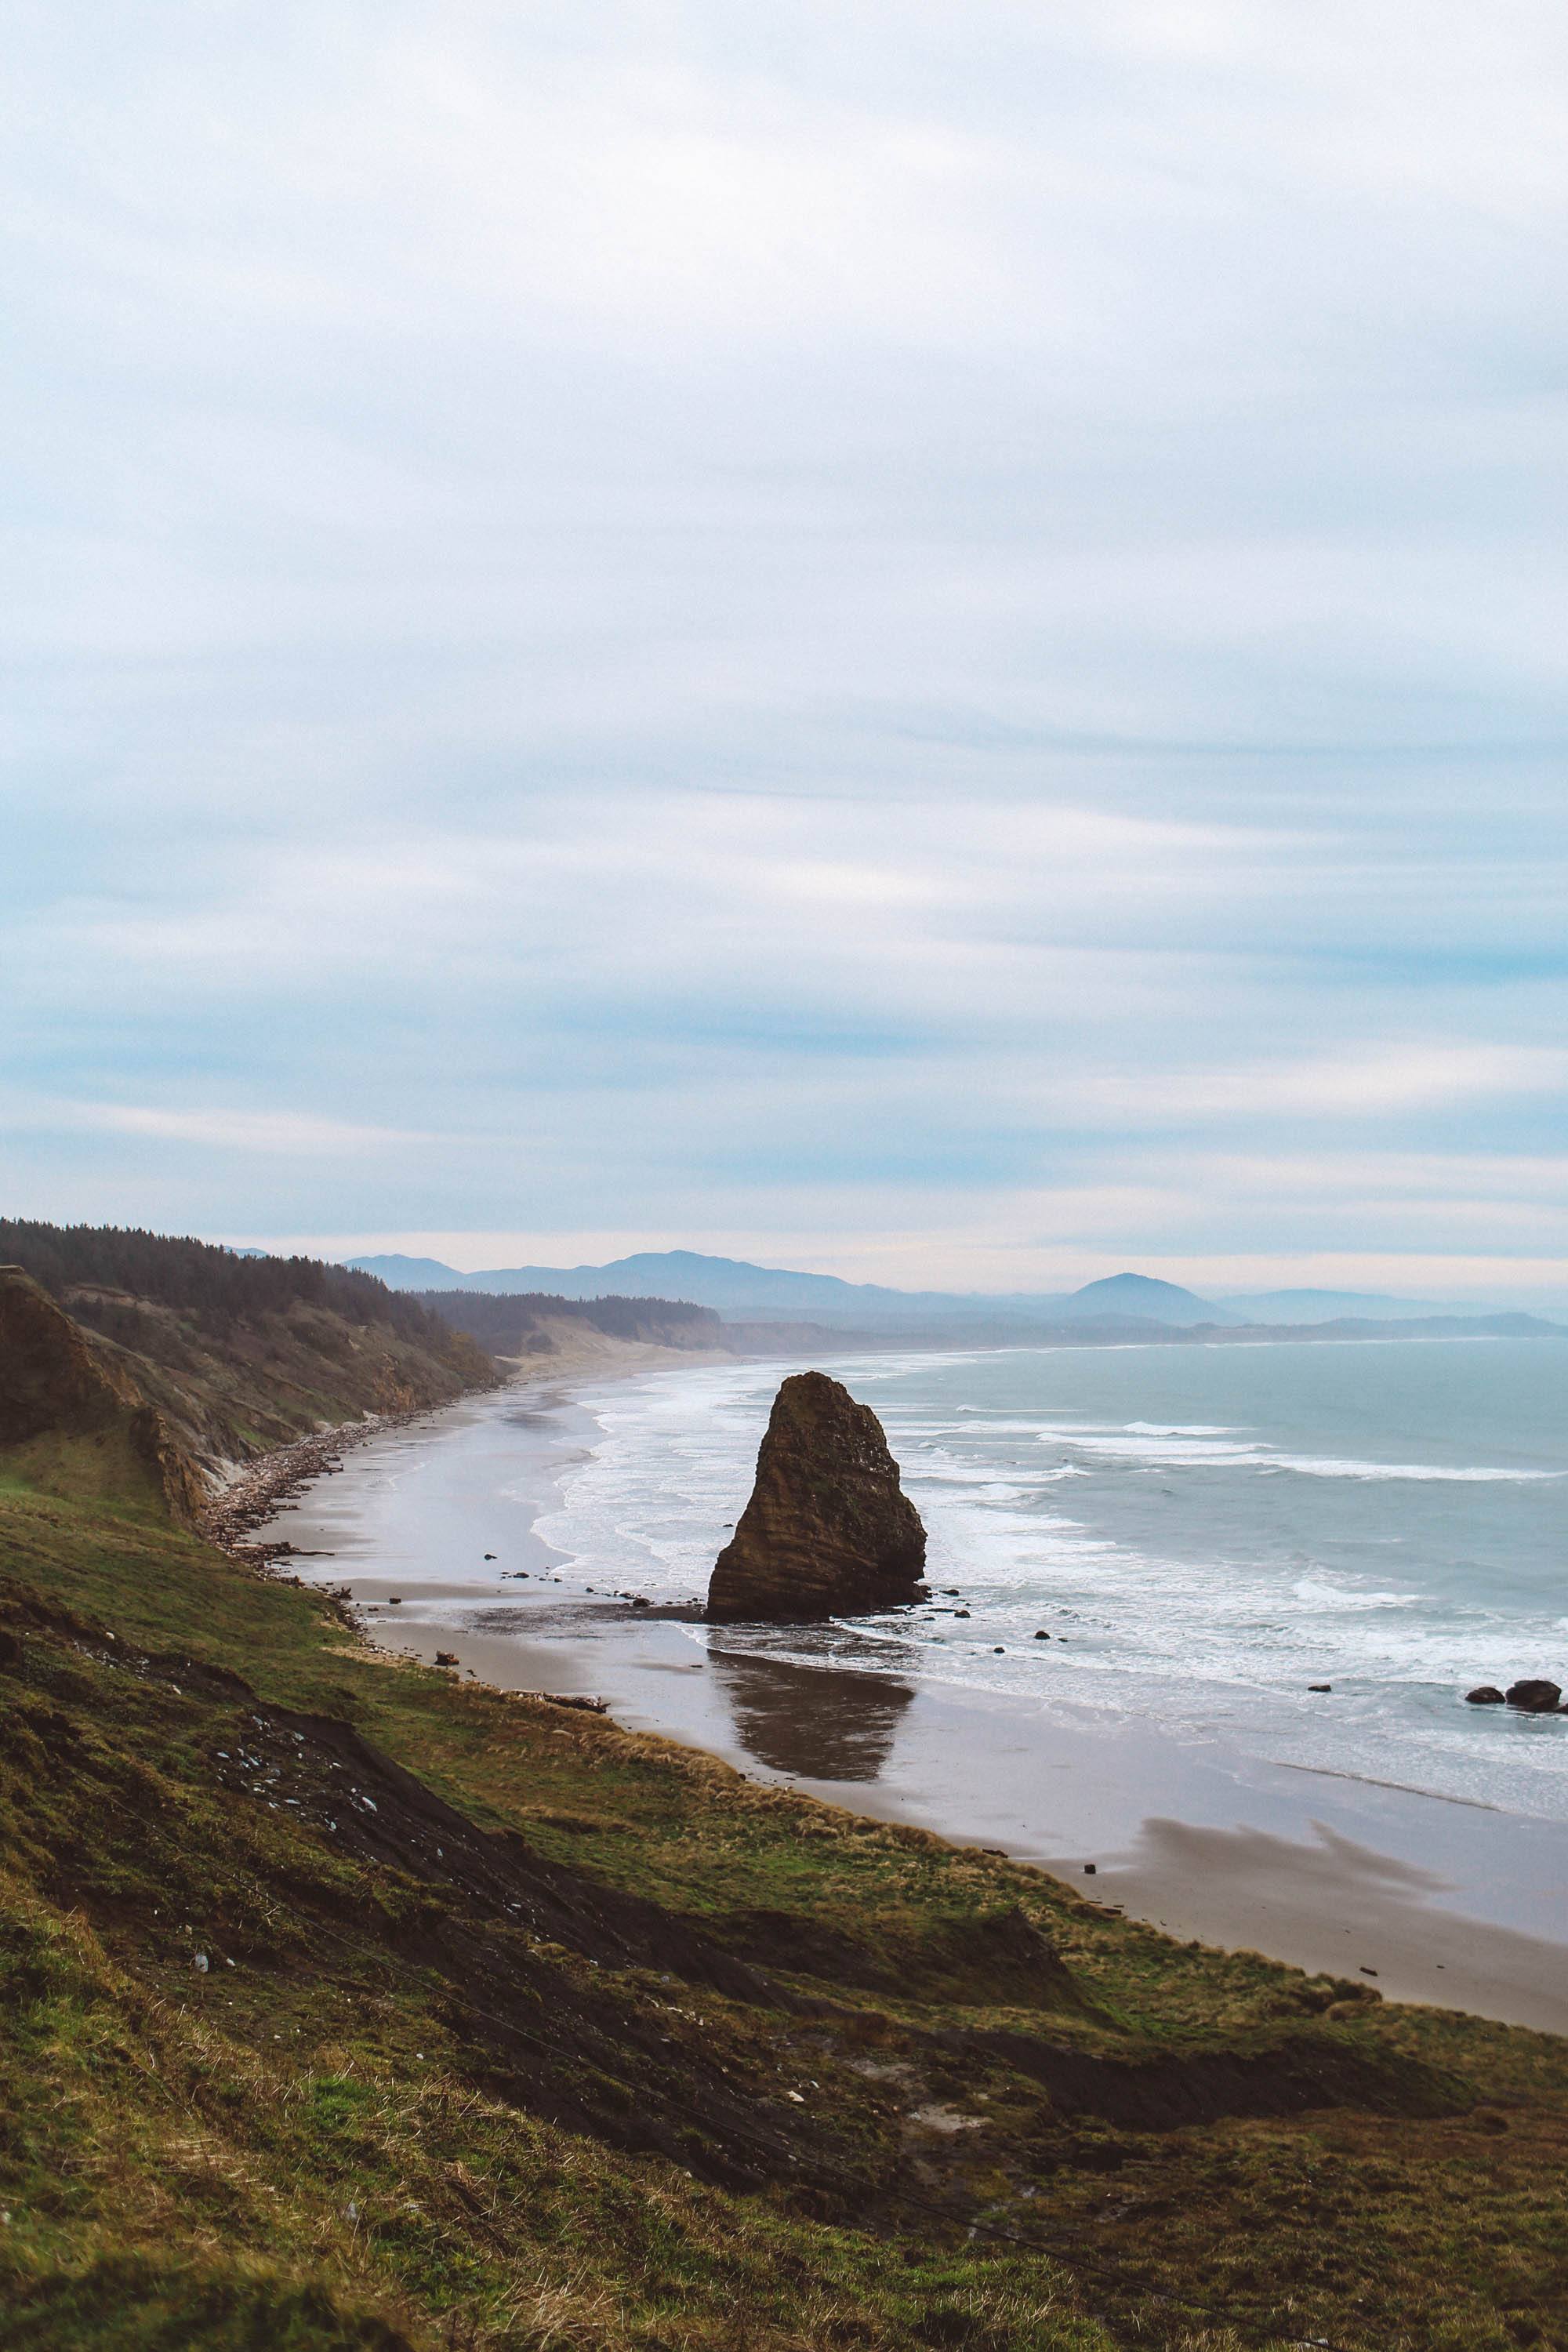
516	2029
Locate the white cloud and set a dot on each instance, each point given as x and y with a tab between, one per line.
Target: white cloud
912	623
1375	1082
284	1134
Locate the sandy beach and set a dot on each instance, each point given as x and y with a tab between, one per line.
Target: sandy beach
431	1530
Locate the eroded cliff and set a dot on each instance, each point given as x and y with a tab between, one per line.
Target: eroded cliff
71	1410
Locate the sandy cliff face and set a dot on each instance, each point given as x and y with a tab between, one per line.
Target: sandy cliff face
52	1375
63	1389
168	1416
228	1393
828	1531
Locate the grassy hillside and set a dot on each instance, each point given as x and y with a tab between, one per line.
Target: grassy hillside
347	2006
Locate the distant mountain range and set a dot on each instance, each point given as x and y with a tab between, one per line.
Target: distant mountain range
738	1289
742	1293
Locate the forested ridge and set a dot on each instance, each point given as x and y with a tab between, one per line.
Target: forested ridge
221	1287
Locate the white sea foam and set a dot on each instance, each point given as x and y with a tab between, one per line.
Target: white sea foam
1179	1429
1194	1448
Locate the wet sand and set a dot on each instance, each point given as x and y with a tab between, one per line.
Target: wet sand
1454	1904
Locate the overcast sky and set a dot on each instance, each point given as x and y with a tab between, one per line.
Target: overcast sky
927	641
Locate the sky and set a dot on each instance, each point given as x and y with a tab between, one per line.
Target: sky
920	640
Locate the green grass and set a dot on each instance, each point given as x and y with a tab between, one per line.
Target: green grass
409	2105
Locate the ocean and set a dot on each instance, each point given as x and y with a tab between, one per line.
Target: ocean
1202	1531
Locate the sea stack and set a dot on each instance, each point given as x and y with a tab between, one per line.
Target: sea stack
828	1531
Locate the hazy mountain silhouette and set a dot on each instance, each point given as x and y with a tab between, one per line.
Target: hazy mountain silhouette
742	1291
1116	1305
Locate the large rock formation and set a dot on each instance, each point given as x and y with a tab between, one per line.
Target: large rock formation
828	1532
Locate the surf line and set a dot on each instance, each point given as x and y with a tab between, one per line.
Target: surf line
1405	1787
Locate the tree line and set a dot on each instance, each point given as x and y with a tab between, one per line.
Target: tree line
222	1288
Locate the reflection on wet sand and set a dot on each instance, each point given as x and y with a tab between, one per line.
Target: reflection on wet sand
523	1416
804	1720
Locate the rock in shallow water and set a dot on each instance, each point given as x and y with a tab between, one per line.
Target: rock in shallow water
1534	1698
828	1531
1485	1694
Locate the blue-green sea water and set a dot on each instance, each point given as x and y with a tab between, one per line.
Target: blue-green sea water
1203	1531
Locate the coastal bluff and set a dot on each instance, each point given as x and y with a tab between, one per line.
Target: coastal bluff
72	1416
828	1531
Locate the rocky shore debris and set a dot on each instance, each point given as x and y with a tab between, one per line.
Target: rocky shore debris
829	1530
1484	1695
277	1478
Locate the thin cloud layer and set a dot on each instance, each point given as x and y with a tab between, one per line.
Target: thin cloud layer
925	640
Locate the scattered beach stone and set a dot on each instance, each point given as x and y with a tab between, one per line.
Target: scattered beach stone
1319	1686
277	1478
394	1599
1536	1697
1042	1637
446	1657
490	1555
961	1613
998	1651
1485	1694
829	1530
1091	1869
